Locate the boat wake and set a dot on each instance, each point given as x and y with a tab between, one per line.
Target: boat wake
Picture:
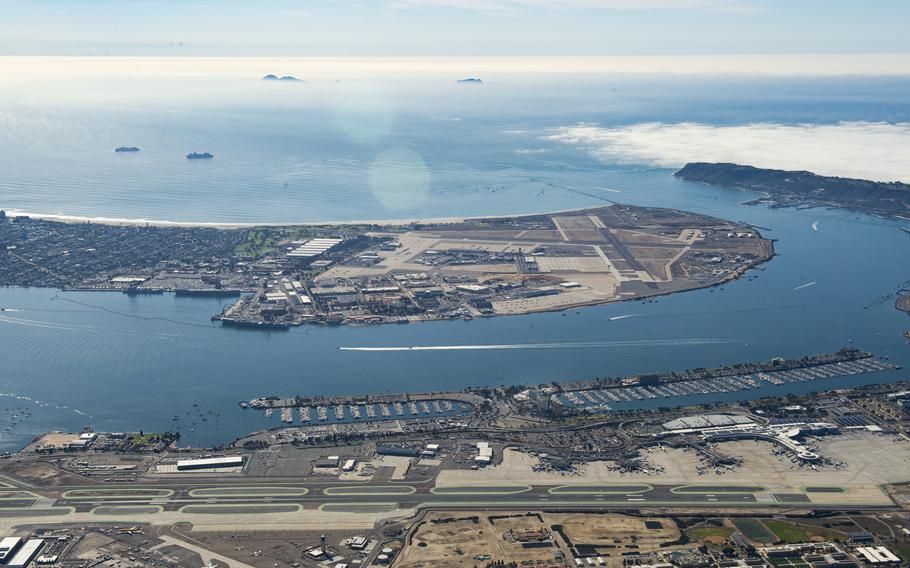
43	324
801	287
566	345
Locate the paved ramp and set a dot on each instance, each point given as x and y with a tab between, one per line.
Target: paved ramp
207	555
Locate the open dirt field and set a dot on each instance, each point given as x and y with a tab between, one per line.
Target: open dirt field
39	473
469	538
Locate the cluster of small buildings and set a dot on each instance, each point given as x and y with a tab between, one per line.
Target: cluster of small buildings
332	557
429	451
335	462
828	555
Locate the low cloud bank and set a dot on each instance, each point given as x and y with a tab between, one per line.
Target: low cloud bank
867	150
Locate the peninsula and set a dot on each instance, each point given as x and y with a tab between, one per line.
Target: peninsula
377	273
805	189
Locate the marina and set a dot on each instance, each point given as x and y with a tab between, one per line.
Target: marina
609	398
367	412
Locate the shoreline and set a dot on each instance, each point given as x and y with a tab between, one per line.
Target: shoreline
141	222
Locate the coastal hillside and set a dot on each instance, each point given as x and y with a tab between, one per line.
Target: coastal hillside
800	188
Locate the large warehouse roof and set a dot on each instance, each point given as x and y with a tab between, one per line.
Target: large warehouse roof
313	247
228	461
707	421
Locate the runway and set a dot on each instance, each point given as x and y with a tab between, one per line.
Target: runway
144	503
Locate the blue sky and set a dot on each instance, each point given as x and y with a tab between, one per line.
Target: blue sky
450	27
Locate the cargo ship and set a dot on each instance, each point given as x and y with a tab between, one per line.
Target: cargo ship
198	156
126	149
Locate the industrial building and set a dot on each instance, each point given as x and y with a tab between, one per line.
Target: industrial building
25	553
878	556
484	454
395	451
210	463
312	248
8	547
328	461
83	441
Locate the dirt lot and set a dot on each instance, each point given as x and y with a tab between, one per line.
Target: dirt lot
39	473
467	538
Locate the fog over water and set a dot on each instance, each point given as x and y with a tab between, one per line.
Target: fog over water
389	145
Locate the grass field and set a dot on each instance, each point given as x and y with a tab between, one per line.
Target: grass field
902	549
789	532
257	243
755	531
714	535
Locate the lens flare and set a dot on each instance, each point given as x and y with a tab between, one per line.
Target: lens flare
399	179
363	111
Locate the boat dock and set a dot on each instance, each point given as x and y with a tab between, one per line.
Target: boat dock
604	398
346	413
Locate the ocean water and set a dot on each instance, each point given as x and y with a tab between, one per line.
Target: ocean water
407	148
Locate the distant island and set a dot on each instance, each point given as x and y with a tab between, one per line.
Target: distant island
805	189
271	77
473	80
126	149
198	156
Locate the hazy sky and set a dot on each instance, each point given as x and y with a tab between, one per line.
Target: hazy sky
451	27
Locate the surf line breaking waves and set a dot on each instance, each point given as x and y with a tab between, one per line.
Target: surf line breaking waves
566	345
